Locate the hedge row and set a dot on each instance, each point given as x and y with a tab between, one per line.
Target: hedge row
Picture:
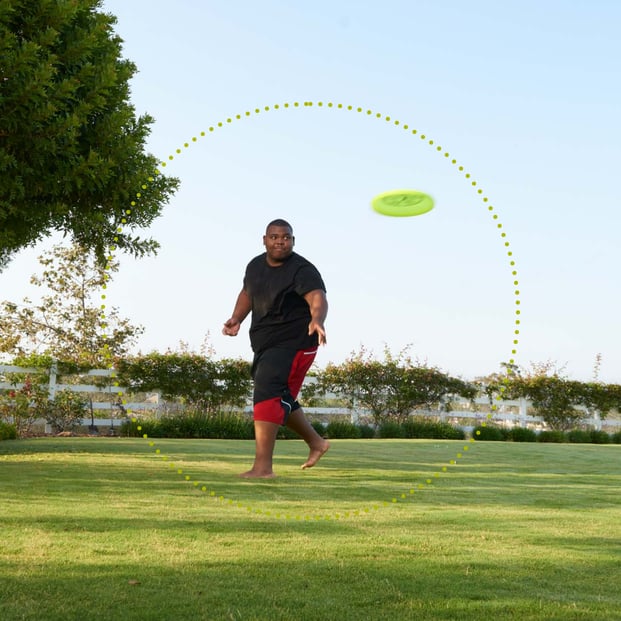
239	427
521	434
7	431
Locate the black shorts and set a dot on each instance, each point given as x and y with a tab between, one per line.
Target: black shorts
278	374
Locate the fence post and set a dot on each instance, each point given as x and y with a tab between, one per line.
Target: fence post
52	383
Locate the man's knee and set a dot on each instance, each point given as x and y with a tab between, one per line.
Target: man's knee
275	410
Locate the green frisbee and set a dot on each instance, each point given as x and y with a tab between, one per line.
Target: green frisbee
402	203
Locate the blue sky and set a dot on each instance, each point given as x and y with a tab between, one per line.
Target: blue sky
524	95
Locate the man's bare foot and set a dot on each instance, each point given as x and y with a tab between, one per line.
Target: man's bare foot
316	453
256	474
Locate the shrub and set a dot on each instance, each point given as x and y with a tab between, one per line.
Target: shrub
150	426
23	406
7	431
193	424
522	434
579	436
390	429
616	437
413	428
489	433
599	437
430	429
552	435
228	427
343	429
319	427
366	431
66	411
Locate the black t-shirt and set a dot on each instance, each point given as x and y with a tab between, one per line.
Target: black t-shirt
280	314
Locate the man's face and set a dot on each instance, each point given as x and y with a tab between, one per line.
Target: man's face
278	242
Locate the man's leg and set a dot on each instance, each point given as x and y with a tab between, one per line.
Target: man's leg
298	422
265	439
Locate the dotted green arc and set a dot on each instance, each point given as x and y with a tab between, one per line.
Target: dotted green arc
415	487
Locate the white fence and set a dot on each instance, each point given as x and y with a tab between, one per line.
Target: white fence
107	411
507	413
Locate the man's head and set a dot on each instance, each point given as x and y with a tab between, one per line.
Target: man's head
278	241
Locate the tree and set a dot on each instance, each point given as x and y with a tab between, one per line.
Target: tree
391	389
196	379
71	148
68	323
562	403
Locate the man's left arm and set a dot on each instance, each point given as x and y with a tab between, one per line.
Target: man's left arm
318	305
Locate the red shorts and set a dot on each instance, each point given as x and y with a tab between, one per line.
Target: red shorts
278	375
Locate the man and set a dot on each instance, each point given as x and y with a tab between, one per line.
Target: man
287	297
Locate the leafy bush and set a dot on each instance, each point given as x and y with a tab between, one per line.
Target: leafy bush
552	435
7	431
343	429
366	431
66	411
522	434
599	437
319	427
150	426
414	428
194	424
489	433
616	437
390	429
579	436
23	406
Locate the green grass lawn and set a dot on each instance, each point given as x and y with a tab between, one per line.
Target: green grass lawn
106	528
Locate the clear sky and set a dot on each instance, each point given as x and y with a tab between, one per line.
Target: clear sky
526	96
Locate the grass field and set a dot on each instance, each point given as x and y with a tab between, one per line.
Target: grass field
106	528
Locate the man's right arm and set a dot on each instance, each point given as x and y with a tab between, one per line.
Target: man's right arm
243	306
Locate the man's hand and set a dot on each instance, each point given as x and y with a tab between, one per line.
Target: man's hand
316	327
231	327
318	306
